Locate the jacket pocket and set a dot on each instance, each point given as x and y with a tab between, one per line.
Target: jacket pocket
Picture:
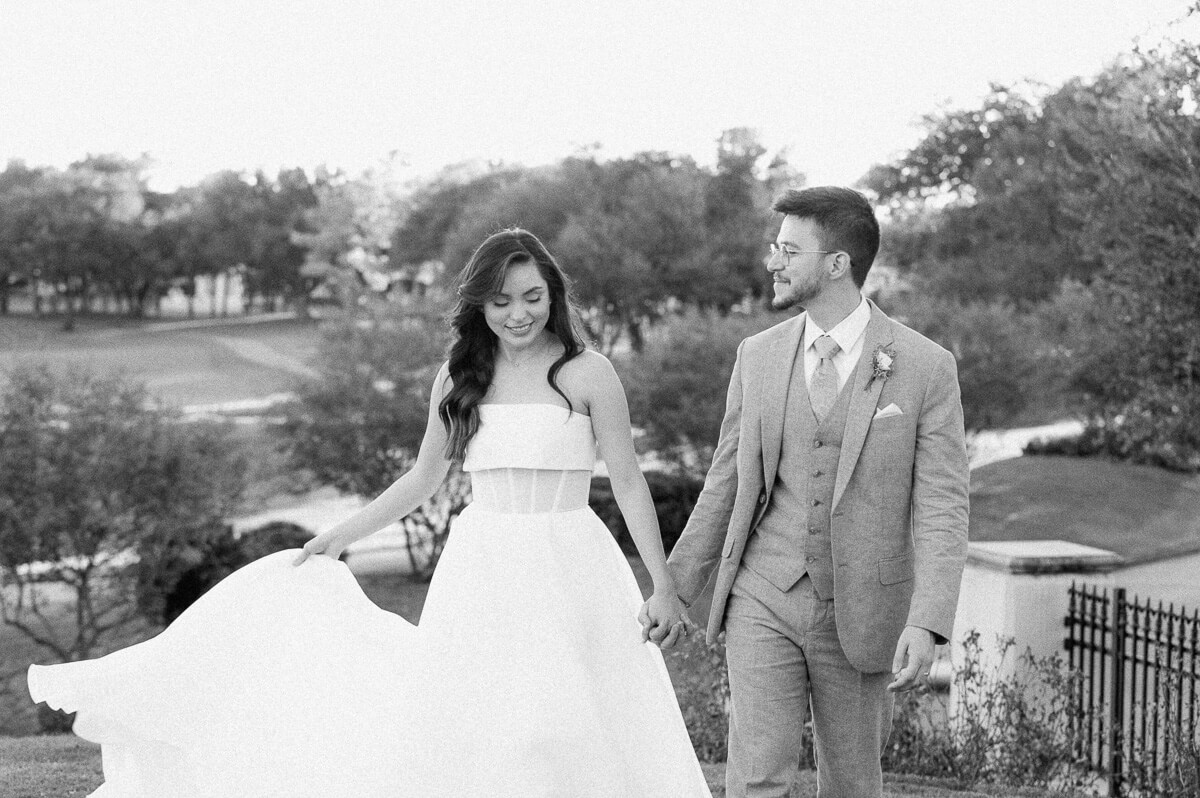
896	569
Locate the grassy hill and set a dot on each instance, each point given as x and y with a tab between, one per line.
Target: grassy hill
183	366
1140	512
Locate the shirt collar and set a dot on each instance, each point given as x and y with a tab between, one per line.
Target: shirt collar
846	332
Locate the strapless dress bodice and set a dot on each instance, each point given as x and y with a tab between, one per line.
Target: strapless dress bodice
531	458
543	436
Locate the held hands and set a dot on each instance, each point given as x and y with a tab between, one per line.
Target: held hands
664	620
914	657
325	544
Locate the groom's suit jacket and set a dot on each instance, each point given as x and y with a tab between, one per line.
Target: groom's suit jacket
898	522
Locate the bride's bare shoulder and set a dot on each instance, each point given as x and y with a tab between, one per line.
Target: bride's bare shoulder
442	383
588	365
589	377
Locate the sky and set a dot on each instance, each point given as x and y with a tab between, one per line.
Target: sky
204	85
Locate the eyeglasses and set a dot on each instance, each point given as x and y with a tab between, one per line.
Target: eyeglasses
786	253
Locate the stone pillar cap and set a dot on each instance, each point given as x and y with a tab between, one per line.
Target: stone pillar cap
1041	557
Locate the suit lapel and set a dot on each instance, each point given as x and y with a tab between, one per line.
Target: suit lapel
863	400
780	361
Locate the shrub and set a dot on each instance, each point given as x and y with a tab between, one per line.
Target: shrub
1173	771
186	570
674	497
678	383
702	688
1016	729
997	368
95	479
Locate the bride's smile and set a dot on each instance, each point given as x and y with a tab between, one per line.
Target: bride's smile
519	312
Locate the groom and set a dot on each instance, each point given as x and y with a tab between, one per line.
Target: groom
835	513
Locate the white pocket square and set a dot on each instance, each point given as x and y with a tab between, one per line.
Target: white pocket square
887	412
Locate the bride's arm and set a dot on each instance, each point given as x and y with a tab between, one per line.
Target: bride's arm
403	496
609	410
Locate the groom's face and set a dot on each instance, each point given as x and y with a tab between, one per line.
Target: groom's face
800	275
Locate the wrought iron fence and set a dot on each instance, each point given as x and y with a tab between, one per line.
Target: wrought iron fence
1140	692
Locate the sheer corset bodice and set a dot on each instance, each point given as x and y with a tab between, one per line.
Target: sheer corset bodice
530	490
530	458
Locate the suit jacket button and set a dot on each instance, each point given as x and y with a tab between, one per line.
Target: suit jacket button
814	531
762	499
816	502
816	444
810	558
817	473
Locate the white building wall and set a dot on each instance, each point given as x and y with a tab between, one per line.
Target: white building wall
1176	580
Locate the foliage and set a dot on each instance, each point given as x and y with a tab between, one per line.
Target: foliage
977	205
186	569
996	353
1079	199
1168	765
678	384
1143	224
94	232
1009	725
638	234
347	234
674	496
702	689
94	484
359	423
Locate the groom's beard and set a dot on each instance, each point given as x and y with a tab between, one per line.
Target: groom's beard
801	296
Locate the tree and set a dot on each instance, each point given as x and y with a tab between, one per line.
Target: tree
995	347
736	219
359	424
16	185
977	205
1079	201
1137	154
94	485
677	385
638	242
435	209
347	233
640	236
223	223
276	258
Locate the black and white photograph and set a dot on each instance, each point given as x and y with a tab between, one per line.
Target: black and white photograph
617	399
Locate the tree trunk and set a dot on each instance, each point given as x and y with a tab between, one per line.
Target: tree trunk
69	318
225	281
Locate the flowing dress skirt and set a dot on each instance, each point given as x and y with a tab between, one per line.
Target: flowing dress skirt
526	677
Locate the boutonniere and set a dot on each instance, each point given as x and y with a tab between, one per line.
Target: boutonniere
881	364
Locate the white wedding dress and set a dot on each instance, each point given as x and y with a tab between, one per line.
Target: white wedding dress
526	677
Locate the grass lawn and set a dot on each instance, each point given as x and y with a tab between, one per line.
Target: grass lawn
184	367
60	766
48	767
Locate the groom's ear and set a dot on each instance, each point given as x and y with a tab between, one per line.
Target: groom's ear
839	265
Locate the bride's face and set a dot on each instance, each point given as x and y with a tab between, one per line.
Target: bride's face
518	314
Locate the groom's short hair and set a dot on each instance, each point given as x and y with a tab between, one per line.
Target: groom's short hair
845	218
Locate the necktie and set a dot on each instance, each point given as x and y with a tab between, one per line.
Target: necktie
823	390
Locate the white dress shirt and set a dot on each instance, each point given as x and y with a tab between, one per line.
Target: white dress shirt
848	333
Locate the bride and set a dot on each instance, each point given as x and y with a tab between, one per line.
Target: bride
528	674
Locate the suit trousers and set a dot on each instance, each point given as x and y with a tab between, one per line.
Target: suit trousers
785	659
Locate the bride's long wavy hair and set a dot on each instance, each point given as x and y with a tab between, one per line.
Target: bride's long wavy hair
473	351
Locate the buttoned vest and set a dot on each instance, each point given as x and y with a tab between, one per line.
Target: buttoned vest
793	536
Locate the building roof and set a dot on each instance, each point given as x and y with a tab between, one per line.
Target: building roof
1139	512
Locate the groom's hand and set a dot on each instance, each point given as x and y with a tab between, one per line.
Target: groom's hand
914	658
664	620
